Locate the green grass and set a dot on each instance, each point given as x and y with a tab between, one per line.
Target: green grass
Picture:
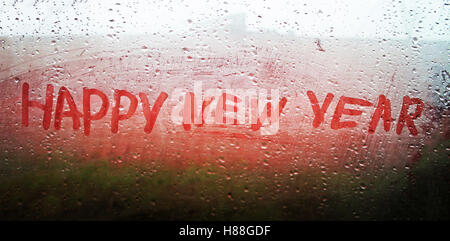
70	189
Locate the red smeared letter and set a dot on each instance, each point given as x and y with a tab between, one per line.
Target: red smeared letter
115	110
408	118
190	110
206	102
73	112
222	108
383	110
267	109
151	115
319	112
340	110
87	117
47	108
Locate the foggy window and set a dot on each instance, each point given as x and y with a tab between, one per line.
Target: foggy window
224	110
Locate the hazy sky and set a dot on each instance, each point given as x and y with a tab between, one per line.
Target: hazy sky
426	20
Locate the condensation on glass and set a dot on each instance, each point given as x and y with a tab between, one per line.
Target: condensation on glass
224	110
